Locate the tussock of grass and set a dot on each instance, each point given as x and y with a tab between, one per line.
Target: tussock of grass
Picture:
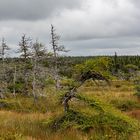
108	120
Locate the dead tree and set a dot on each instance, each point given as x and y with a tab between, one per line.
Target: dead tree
82	78
25	52
38	53
4	48
14	80
56	49
39	50
34	78
3	51
25	46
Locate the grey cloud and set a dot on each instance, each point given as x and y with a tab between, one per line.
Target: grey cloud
135	2
34	9
93	28
102	19
123	46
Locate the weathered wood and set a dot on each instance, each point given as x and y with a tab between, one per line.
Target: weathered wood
83	77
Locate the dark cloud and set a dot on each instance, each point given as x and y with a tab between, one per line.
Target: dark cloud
34	9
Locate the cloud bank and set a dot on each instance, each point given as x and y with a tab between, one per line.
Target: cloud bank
34	9
84	25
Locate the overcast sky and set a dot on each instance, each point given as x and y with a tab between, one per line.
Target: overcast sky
87	27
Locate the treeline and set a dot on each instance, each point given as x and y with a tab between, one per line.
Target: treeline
121	60
117	63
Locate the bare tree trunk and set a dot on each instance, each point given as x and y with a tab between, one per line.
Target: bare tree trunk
68	96
4	47
56	77
83	77
1	94
25	91
56	49
54	45
14	81
25	45
34	79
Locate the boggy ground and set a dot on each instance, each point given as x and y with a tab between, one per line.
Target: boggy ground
98	113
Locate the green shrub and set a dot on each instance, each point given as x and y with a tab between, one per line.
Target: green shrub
67	82
49	81
137	88
101	123
105	120
18	87
9	105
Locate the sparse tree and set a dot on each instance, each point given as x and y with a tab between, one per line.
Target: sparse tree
38	54
25	53
39	49
25	46
14	80
56	49
3	50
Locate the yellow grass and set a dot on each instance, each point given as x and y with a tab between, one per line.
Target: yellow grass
30	126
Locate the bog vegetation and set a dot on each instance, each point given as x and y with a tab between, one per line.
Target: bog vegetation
45	95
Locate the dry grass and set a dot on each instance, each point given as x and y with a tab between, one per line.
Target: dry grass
23	126
134	114
30	126
118	90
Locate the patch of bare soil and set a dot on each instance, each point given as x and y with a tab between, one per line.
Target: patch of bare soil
134	113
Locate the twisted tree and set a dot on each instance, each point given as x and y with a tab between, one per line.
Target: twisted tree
82	78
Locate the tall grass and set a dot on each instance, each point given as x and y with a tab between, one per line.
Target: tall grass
99	110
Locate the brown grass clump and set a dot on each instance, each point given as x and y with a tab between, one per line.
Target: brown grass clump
134	114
